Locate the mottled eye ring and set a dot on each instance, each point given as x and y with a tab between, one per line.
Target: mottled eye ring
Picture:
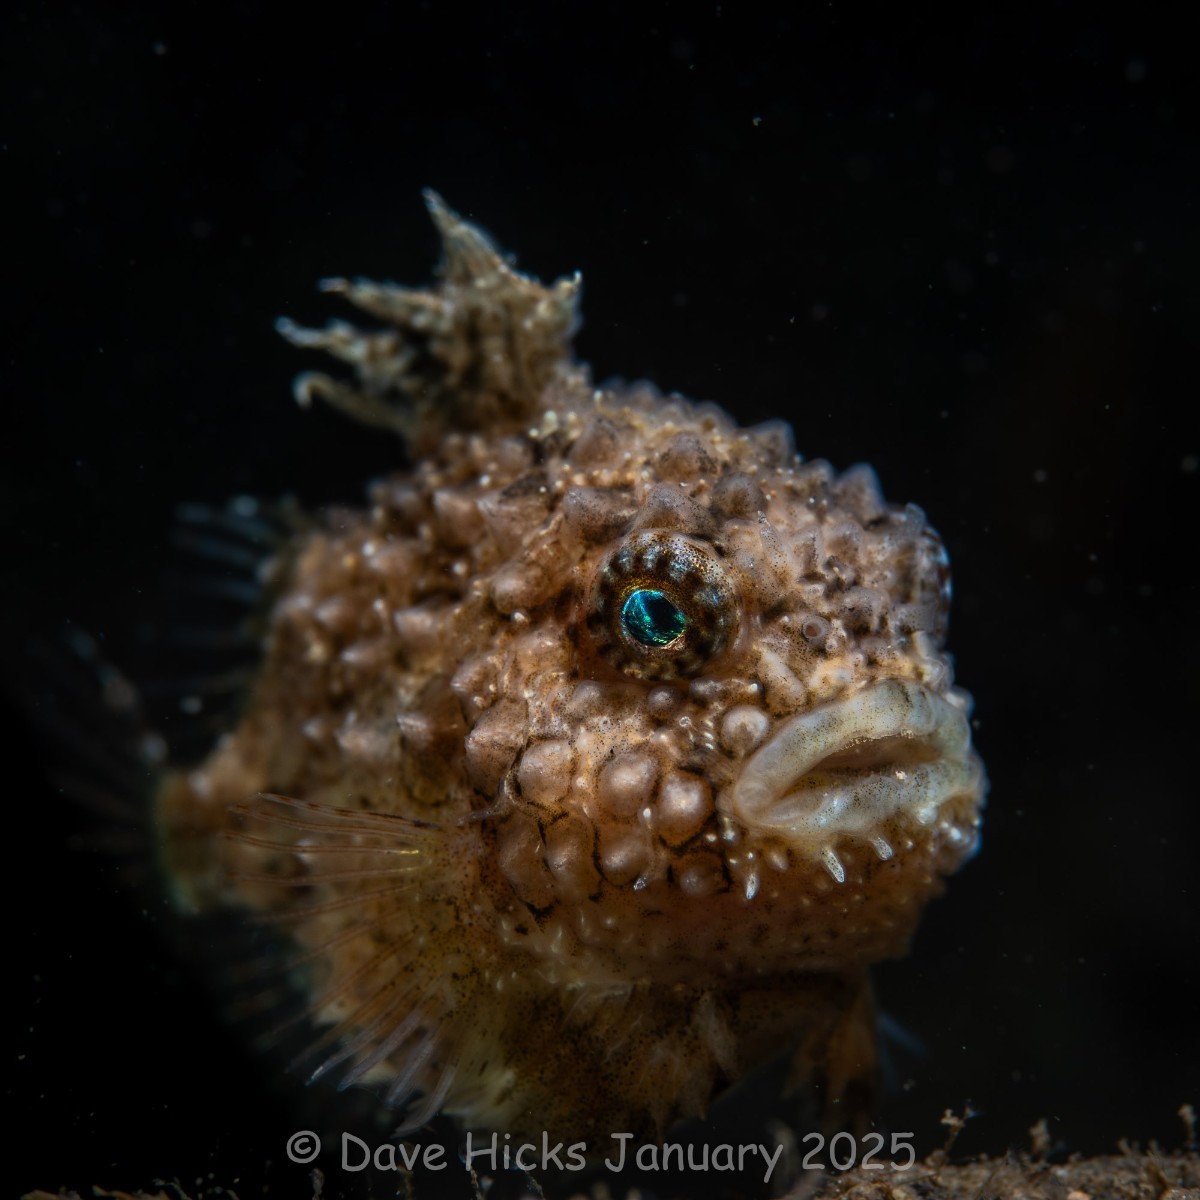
661	606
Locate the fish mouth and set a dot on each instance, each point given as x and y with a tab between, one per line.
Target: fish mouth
855	766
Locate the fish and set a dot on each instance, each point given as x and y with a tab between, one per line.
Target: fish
593	761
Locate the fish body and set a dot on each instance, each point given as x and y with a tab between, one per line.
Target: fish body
596	758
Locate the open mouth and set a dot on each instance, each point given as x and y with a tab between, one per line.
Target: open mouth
851	766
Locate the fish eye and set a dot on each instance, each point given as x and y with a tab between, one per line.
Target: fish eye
661	606
651	618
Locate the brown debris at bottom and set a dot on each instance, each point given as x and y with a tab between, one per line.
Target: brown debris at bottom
1134	1175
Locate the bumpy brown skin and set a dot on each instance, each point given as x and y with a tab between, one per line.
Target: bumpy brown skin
509	844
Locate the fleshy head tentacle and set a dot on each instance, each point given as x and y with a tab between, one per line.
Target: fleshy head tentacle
482	350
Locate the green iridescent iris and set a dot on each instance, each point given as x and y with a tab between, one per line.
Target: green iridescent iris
650	618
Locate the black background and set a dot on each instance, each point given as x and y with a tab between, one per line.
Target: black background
963	251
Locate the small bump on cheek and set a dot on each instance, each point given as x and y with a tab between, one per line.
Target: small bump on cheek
661	703
521	858
625	782
544	773
624	853
684	805
568	856
699	875
493	744
743	729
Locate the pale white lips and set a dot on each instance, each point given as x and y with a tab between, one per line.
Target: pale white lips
850	766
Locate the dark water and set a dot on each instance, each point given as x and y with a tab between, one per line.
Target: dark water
965	253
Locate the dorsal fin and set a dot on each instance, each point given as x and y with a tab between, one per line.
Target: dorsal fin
478	351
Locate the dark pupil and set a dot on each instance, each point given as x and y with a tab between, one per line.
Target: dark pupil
650	618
